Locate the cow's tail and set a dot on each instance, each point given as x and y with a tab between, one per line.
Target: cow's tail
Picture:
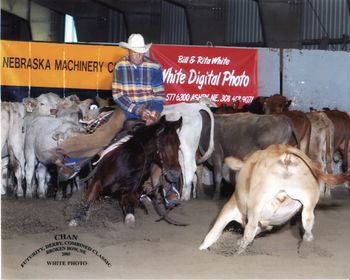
210	150
295	132
330	179
346	144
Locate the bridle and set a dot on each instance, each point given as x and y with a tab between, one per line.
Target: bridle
151	195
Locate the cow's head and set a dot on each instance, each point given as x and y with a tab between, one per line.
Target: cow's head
276	104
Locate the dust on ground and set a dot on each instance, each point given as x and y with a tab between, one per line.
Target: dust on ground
158	250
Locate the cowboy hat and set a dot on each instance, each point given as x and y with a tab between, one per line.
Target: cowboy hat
136	43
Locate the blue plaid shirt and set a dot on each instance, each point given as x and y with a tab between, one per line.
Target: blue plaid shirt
136	86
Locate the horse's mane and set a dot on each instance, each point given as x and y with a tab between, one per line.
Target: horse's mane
146	133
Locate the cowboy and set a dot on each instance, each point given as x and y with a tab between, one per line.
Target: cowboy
138	89
137	85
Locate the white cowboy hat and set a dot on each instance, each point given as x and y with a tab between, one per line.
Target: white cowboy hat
136	43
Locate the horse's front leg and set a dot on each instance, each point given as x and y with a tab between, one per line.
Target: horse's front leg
82	213
128	203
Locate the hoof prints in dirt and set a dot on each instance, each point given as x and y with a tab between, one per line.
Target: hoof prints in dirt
227	244
102	214
29	216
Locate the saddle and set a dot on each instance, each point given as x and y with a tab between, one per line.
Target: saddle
72	165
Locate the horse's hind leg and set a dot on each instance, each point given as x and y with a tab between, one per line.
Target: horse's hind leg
82	213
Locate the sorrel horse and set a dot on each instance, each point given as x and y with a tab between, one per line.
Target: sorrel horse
123	171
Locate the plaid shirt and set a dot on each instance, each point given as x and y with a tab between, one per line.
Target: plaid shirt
135	86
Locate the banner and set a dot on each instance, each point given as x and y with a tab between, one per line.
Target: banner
222	74
58	65
189	72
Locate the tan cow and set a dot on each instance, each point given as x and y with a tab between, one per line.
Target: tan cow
321	142
272	186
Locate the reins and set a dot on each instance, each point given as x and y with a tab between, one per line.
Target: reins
144	164
163	215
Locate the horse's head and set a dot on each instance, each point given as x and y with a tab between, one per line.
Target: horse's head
168	144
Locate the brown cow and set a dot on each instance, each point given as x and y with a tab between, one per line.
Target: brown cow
276	104
280	104
272	186
341	122
302	127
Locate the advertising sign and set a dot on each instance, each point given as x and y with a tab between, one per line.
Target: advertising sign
223	74
51	65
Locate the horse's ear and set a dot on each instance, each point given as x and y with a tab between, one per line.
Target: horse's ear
178	123
162	119
161	125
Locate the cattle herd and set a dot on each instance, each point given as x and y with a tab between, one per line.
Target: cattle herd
279	160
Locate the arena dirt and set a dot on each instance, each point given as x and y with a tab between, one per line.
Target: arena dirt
158	250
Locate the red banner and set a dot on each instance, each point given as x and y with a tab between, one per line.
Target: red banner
222	74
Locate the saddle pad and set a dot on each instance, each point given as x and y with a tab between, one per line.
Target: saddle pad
71	161
112	147
100	120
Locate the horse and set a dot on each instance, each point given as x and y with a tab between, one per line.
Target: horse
123	171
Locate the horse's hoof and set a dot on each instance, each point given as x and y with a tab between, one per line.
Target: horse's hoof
130	220
73	223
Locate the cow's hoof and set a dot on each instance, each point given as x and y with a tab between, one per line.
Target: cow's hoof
130	220
240	251
19	194
73	223
203	247
29	195
308	237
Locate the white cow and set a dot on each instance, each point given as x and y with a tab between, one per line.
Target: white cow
14	118
13	129
5	127
45	133
189	136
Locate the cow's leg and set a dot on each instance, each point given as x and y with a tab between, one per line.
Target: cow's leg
18	189
228	213
4	175
199	181
217	169
308	218
188	167
41	173
19	160
250	231
30	168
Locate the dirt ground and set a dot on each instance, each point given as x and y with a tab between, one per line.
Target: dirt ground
38	243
